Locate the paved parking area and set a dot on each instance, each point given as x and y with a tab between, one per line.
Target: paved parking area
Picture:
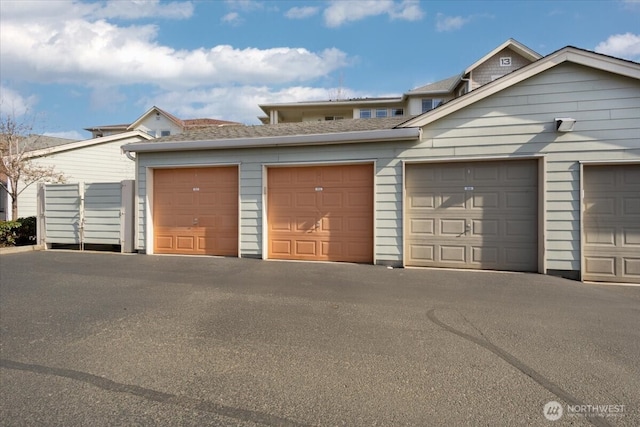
110	339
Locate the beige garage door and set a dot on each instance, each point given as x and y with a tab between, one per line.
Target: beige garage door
479	215
321	213
611	228
195	211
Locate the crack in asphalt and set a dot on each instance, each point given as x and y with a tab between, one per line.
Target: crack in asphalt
516	363
154	395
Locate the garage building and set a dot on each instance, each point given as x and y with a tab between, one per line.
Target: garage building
535	171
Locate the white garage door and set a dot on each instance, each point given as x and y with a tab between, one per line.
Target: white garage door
480	215
611	228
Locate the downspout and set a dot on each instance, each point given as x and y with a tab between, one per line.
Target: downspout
129	156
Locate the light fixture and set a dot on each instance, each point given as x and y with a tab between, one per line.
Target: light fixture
565	124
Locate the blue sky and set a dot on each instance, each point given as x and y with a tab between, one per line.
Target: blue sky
76	64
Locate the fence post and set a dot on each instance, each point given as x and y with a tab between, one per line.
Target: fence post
41	231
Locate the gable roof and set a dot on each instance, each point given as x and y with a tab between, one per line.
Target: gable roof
183	124
74	145
158	111
512	44
443	86
567	54
297	133
43	141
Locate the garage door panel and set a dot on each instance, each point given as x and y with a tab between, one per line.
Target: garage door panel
422	226
520	199
196	211
631	237
452	227
306	248
632	267
611	216
185	243
305	223
332	208
331	199
601	266
280	247
452	200
359	199
631	205
453	253
485	200
484	255
516	173
478	219
454	175
525	229
485	174
486	227
422	201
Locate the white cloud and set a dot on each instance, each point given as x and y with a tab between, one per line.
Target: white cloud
76	50
72	9
621	45
13	103
232	18
342	11
136	9
450	23
245	5
301	12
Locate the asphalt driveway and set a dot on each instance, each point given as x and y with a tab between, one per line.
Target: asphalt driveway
110	339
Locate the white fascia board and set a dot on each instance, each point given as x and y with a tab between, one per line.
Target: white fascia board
405	134
87	143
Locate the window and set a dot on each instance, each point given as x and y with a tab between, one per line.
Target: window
165	133
329	118
430	104
365	113
381	112
397	112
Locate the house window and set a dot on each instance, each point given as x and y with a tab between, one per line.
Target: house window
165	133
397	112
430	104
381	112
329	118
365	113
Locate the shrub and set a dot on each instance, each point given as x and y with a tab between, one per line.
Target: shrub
18	233
26	234
8	233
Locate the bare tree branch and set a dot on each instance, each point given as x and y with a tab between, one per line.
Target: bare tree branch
17	169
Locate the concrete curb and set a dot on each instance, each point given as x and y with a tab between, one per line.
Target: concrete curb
20	249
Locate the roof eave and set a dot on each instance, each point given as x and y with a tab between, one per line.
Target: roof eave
379	135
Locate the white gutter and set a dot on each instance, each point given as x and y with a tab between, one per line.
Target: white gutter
403	134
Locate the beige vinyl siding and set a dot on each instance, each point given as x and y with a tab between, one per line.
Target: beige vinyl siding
519	121
96	163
